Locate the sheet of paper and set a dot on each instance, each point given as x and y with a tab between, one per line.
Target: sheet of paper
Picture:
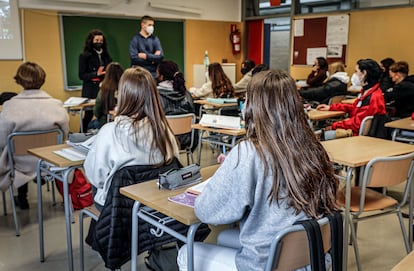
313	53
334	51
299	28
337	29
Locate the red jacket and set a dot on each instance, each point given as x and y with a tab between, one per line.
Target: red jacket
369	103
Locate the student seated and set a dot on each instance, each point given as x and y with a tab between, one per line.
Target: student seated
139	135
336	85
318	74
402	94
386	83
32	109
175	99
246	69
106	99
217	86
370	102
264	183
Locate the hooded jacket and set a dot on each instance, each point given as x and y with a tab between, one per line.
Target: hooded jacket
336	85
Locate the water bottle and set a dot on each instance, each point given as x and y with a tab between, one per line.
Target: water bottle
206	60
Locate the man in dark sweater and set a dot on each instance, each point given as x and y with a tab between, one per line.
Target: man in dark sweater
403	91
145	48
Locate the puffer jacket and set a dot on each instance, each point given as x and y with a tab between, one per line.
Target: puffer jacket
111	234
335	86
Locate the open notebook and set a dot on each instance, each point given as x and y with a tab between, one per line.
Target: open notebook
220	121
73	101
76	151
189	196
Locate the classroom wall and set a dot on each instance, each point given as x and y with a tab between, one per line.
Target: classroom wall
375	34
213	37
216	10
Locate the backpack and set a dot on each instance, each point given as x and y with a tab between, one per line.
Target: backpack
80	191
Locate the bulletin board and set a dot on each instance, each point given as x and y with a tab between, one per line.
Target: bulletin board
322	36
118	33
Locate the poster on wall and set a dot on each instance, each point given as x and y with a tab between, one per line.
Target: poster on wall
337	29
313	53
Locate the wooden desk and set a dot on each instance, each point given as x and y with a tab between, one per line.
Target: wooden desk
88	106
215	105
348	101
398	125
233	133
354	90
315	115
46	159
355	152
147	193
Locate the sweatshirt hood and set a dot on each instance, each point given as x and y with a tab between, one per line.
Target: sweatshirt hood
341	76
166	90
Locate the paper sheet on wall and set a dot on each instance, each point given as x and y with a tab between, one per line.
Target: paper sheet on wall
299	25
337	29
313	53
334	51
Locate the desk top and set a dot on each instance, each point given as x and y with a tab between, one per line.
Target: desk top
216	105
82	106
321	115
235	132
348	101
404	124
357	151
46	154
148	194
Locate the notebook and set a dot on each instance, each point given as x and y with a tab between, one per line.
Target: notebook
71	154
220	121
198	188
73	101
221	100
188	197
84	146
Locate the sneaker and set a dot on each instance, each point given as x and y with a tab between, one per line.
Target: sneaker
22	203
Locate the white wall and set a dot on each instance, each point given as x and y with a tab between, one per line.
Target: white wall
215	10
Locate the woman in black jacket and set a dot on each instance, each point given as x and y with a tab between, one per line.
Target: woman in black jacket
92	63
336	85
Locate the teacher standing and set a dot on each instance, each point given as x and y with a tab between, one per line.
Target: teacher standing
92	63
145	48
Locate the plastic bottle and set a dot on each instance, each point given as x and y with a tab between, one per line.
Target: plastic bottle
206	59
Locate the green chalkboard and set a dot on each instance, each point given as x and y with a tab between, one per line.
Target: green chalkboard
118	33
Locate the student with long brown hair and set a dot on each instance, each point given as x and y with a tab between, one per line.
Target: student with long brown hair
277	175
218	85
139	135
106	99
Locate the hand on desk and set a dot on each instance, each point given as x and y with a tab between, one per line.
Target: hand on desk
323	107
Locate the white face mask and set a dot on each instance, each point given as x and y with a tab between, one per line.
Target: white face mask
150	29
355	80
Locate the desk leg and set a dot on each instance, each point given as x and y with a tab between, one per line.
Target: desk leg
190	246
40	212
200	136
134	236
80	119
67	218
394	134
347	216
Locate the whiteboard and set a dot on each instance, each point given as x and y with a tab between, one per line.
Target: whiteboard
10	36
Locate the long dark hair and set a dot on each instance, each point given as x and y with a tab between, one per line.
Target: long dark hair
220	83
139	99
276	125
88	47
169	71
110	85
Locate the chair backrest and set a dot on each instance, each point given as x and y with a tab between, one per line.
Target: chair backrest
290	248
181	124
19	142
365	125
336	99
389	171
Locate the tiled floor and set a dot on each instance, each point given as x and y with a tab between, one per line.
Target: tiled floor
380	241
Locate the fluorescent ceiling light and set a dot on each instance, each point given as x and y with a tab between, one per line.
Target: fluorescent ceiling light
168	6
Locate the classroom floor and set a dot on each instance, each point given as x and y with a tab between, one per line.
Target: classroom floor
380	240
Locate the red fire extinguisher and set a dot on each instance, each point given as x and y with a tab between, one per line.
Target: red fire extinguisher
235	39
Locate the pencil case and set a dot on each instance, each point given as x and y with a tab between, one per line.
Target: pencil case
177	178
